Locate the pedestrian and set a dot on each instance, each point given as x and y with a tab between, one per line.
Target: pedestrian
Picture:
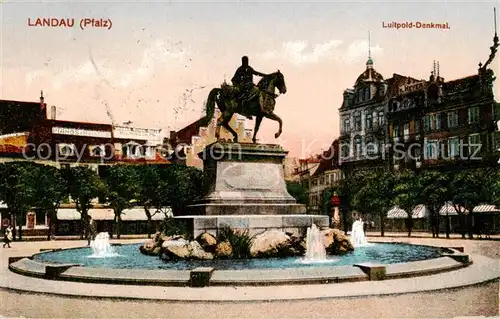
7	237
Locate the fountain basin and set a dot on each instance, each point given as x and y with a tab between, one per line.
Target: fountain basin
236	272
128	257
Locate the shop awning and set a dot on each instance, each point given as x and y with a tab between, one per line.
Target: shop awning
449	210
483	208
420	211
133	214
138	213
486	209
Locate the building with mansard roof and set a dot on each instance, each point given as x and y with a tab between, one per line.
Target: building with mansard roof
362	121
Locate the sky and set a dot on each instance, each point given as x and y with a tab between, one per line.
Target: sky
158	62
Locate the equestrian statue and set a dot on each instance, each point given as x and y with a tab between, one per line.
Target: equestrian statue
246	98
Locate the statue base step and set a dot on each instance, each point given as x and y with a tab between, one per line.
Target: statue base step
255	224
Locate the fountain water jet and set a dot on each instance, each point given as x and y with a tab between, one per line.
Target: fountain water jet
101	247
358	238
315	251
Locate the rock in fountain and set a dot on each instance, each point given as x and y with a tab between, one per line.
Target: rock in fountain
101	247
315	250
358	237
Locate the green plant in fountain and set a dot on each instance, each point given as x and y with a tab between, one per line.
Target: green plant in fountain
240	242
173	227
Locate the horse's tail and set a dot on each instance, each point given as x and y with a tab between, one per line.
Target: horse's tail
210	106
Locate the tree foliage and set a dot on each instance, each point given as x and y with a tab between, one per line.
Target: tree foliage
122	185
184	184
84	185
50	190
18	189
298	191
407	195
376	195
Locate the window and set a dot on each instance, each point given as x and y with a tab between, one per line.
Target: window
369	120
432	122
396	130
347	125
367	94
473	115
406	131
496	112
357	142
427	123
357	122
96	150
438	121
474	145
452	119
431	149
417	126
66	149
371	147
453	147
345	150
381	119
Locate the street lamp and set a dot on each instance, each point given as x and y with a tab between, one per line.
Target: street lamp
335	201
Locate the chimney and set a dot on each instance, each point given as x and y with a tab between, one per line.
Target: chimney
53	112
43	106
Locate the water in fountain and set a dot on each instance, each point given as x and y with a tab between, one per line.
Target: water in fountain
358	238
101	247
315	251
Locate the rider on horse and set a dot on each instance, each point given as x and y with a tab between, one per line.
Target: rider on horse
243	81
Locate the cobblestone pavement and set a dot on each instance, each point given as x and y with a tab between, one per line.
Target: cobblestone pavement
471	301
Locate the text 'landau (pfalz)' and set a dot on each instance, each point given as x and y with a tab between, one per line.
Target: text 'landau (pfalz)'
83	23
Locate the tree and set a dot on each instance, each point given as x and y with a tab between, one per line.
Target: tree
326	200
407	195
298	191
434	187
494	186
17	189
377	195
84	185
122	185
50	190
184	184
150	190
346	189
470	188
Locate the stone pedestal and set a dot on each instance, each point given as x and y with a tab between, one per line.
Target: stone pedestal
244	179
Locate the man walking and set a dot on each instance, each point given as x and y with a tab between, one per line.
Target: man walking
7	237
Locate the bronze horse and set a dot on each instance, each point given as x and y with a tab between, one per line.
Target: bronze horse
261	105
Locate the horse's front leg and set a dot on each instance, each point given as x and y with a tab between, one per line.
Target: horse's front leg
276	118
217	127
258	120
225	123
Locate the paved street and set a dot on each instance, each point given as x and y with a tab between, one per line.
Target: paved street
471	301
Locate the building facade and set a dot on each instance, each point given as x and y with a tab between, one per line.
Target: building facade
325	176
445	124
36	137
26	133
404	122
363	124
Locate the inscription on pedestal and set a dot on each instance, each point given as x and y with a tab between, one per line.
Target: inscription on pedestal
245	179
